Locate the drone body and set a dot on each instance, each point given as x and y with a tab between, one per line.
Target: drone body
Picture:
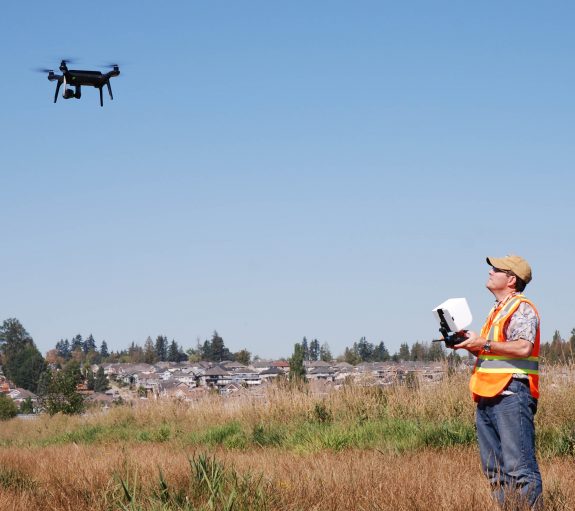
77	78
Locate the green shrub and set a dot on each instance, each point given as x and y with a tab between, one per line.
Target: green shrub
8	408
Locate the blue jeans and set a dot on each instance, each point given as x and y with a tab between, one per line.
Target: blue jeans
506	434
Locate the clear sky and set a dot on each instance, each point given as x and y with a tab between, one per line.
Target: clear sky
274	170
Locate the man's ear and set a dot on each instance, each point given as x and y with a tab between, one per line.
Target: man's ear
514	281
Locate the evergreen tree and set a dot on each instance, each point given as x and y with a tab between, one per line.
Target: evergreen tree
364	350
22	362
218	349
325	353
161	348
63	349
174	352
305	348
150	356
207	350
13	337
296	367
77	343
104	350
314	350
404	352
89	344
380	353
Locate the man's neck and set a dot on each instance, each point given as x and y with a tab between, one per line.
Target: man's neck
502	295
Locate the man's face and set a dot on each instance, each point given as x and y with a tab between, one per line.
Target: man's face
498	280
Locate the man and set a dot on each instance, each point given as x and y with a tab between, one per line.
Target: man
505	385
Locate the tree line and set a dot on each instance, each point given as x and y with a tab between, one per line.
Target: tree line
69	363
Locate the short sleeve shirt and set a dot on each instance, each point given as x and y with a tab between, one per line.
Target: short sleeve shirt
523	324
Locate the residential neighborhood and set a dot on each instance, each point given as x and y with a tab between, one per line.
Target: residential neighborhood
186	381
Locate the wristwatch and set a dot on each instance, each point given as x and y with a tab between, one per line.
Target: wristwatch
487	347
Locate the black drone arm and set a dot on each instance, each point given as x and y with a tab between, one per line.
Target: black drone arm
114	72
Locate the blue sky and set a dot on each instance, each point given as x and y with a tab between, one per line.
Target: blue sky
274	170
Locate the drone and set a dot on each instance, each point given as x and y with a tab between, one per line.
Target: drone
76	78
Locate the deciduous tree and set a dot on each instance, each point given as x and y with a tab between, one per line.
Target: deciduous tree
59	394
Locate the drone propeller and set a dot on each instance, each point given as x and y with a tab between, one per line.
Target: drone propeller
111	67
42	70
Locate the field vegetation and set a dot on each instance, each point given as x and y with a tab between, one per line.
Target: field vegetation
297	447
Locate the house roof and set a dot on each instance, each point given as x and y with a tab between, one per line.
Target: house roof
272	370
19	393
317	363
216	371
259	364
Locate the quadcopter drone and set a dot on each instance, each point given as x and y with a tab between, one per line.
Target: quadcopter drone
76	78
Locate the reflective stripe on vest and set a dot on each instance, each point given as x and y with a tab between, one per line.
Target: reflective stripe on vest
499	364
493	333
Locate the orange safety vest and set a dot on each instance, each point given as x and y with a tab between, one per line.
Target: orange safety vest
492	373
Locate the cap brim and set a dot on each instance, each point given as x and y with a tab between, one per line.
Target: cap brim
498	262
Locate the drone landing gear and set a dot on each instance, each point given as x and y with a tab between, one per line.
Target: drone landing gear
101	93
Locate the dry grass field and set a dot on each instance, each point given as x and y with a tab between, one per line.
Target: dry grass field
356	448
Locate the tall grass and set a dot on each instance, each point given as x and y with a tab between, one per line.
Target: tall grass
294	448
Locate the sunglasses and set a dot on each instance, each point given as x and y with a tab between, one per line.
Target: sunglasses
499	270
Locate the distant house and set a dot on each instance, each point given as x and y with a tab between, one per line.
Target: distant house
216	377
189	378
246	377
281	364
101	398
318	373
19	395
231	388
4	386
271	373
174	389
261	365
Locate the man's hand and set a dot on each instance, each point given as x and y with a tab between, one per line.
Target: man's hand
473	343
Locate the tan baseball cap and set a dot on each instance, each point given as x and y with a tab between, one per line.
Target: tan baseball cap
515	263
